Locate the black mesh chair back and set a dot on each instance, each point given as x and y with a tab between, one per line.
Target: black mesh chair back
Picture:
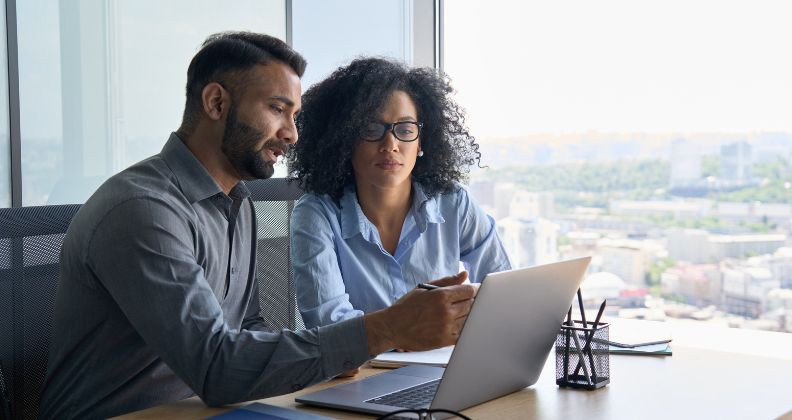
30	243
273	201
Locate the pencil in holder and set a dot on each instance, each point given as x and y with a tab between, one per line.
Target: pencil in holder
582	356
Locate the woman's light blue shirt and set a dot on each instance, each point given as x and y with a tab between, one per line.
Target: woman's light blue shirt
341	269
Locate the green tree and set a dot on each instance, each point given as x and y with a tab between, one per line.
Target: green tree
656	270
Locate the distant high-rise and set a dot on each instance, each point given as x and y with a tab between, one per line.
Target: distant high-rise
627	262
483	191
529	241
528	205
685	164
504	193
736	160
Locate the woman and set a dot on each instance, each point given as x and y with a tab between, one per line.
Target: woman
382	148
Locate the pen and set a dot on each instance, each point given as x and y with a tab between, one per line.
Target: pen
582	361
582	315
582	312
599	314
590	338
581	357
427	286
566	347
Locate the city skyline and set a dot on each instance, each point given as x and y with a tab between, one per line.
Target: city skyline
548	148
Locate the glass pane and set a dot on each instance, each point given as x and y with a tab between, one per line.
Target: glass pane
102	83
5	144
349	29
655	137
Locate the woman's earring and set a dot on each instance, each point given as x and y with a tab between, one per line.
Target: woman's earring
420	153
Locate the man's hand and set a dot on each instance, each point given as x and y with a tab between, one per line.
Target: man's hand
422	319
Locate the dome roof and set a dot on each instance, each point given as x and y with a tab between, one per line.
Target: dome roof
603	280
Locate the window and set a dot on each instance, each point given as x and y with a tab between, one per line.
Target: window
331	34
350	29
654	136
5	140
102	83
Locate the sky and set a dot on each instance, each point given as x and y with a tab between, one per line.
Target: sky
621	65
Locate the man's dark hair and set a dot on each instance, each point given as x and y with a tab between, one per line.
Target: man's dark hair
225	57
335	110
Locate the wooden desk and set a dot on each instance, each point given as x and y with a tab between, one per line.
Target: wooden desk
696	382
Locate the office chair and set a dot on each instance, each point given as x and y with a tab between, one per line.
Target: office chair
273	201
30	243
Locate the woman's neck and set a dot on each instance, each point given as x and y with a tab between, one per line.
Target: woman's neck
386	208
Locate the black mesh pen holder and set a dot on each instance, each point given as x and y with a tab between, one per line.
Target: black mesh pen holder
582	356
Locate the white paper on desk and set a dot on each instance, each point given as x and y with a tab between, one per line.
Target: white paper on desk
393	359
663	349
638	332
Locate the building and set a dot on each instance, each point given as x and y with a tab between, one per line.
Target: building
781	266
698	246
628	261
688	245
685	165
529	241
484	192
745	290
778	306
676	209
525	204
697	284
755	212
736	161
503	195
741	246
608	224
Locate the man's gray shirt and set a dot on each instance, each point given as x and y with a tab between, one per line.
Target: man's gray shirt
158	301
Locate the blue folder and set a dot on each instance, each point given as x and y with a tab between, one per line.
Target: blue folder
259	411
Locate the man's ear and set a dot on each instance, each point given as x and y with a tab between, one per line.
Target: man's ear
215	100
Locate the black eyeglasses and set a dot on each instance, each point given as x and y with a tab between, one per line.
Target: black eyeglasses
403	131
421	414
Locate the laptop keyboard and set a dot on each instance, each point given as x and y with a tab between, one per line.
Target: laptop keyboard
419	396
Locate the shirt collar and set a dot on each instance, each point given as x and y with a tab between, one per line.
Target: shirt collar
194	181
353	221
424	209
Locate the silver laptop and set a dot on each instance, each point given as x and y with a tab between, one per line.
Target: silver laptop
503	346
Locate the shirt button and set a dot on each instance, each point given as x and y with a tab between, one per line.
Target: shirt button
348	365
296	387
233	270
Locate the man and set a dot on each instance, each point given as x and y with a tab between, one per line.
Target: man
157	299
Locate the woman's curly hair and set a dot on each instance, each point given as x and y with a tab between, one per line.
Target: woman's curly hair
336	109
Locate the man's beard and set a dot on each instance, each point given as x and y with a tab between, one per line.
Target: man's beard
239	146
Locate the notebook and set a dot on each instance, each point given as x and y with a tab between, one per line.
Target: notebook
393	359
660	349
502	348
628	333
